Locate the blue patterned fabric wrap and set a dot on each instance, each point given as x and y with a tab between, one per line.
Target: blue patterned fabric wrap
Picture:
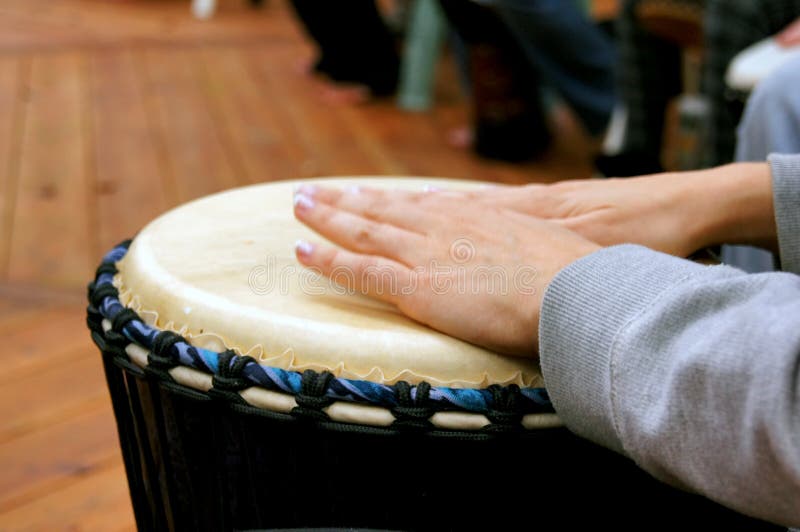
471	400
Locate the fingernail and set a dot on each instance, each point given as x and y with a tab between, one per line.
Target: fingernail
303	202
303	248
485	186
353	189
430	188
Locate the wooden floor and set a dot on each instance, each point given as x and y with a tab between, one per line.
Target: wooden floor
112	111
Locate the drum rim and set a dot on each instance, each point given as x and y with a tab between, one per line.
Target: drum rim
166	350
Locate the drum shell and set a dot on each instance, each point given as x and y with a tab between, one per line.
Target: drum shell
208	461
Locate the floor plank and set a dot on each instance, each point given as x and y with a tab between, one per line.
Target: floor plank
36	294
52	196
46	459
99	501
262	140
129	185
46	25
50	336
13	76
319	126
58	391
197	161
15	313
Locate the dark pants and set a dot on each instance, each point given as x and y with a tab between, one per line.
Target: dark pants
355	45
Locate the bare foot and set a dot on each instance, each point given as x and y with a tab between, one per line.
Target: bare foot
305	67
461	137
338	93
344	93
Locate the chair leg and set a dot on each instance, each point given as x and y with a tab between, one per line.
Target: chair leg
426	32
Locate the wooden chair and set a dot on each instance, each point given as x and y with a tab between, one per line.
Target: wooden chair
681	22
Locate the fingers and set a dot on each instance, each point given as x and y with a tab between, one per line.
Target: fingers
401	208
370	275
355	232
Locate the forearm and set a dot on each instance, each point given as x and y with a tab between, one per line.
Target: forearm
731	204
746	203
687	369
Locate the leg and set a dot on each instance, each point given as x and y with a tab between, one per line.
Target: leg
354	43
569	51
771	120
508	115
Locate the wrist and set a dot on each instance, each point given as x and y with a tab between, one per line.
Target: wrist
731	204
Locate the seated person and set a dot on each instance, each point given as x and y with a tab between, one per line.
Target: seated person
515	49
770	124
692	371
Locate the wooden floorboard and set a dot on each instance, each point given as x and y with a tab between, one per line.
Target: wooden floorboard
63	388
47	337
14	72
326	138
261	141
196	157
129	184
44	25
50	240
112	112
94	502
53	456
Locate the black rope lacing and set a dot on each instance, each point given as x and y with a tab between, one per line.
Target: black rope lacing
230	375
413	410
163	356
229	379
506	412
114	335
106	267
312	397
99	294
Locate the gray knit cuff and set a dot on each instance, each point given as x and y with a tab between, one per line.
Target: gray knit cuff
786	197
585	307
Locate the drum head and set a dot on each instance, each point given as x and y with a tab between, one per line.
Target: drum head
221	271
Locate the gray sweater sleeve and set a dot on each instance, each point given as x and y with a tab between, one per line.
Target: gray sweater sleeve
692	371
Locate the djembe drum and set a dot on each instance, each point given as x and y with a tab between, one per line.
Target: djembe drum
251	394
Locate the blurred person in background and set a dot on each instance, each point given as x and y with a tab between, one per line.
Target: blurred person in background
650	76
357	52
770	124
516	49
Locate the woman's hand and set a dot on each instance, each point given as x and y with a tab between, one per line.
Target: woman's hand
677	213
652	211
471	269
